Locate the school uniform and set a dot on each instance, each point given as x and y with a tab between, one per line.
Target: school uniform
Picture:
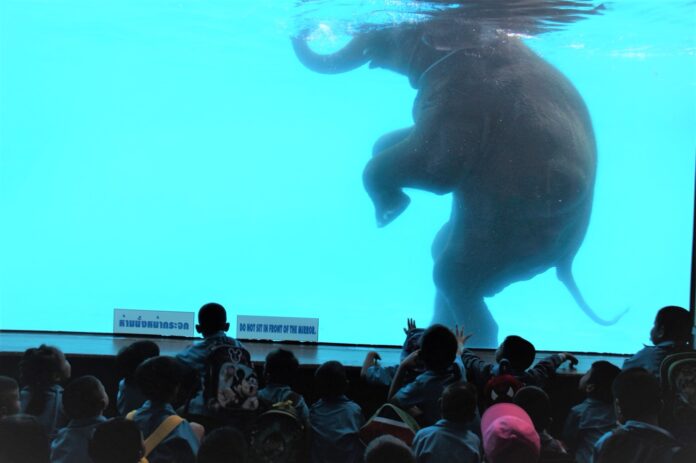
447	441
52	417
335	426
274	393
640	443
425	391
379	375
71	442
196	354
181	445
129	398
651	357
585	424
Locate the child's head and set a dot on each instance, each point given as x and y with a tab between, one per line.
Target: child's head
132	355
438	348
281	367
40	368
508	435
223	445
672	323
458	402
330	380
84	397
637	395
9	396
537	404
518	351
388	449
159	378
596	383
212	317
23	440
116	441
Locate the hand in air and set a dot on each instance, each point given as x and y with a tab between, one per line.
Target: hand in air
461	337
571	358
410	325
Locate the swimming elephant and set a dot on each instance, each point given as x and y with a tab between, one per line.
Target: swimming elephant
503	131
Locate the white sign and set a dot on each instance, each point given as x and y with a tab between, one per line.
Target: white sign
278	328
157	322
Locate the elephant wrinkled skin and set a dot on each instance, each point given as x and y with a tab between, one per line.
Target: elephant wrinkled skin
503	131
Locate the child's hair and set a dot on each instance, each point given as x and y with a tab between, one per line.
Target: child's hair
132	355
281	366
23	440
9	392
330	380
84	397
438	348
212	317
676	323
40	368
518	351
159	378
223	445
388	449
537	404
459	402
117	440
602	374
637	392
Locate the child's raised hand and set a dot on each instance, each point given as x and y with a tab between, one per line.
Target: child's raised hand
373	357
571	358
461	337
410	325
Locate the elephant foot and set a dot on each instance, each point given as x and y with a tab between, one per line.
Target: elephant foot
390	208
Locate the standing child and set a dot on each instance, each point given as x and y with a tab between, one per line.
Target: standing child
84	401
595	416
335	419
9	396
450	438
129	395
420	397
41	371
159	380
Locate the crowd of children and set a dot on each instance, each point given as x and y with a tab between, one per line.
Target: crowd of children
445	404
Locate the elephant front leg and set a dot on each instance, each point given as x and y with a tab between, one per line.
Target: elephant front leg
415	158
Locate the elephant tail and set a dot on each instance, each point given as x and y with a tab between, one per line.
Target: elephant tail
564	272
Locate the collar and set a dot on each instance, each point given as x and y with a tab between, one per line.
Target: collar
82	422
150	405
634	424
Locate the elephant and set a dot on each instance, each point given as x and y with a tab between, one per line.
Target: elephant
506	134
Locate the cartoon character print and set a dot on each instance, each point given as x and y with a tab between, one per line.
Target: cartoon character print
237	387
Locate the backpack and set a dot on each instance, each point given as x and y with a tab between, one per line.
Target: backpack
230	382
638	446
278	436
391	420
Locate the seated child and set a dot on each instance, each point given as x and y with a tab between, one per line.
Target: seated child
509	435
375	373
41	371
159	380
517	355
23	440
129	357
280	370
420	397
669	334
335	420
595	416
537	404
117	440
223	445
450	439
84	401
9	396
388	449
638	438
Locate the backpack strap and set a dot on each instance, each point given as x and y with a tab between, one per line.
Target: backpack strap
158	435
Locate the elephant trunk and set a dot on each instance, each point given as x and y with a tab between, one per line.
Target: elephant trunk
350	57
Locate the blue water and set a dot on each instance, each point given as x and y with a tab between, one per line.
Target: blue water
159	155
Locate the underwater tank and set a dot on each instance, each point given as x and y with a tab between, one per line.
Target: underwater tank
514	166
